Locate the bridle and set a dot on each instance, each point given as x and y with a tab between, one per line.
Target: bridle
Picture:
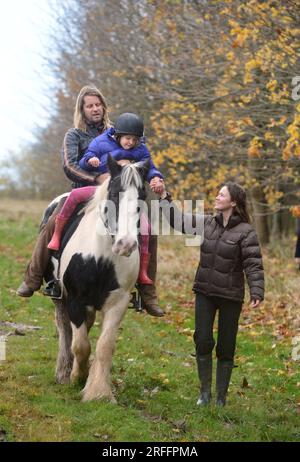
108	229
104	213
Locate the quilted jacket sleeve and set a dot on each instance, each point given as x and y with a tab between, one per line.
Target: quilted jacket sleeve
253	265
70	155
185	223
143	154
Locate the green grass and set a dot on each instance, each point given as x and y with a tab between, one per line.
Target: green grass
154	374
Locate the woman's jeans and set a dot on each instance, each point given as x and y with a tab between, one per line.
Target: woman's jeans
205	312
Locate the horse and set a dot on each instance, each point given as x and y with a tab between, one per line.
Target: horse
98	269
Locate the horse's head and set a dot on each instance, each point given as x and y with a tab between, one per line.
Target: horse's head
122	208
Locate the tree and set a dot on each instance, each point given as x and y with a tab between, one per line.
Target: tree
212	80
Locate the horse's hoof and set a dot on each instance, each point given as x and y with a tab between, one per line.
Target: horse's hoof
78	379
113	400
103	397
62	379
63	376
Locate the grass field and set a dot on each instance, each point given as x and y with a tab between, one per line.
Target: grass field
154	372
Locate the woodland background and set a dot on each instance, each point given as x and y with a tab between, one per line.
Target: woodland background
215	81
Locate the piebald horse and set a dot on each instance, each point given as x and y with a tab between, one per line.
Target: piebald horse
98	268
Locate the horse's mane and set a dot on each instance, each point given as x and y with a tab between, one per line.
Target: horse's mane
129	176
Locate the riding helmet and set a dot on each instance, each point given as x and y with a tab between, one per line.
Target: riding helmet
129	124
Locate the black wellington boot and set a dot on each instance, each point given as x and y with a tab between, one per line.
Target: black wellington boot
224	370
204	364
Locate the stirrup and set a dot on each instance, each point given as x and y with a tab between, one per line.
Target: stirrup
136	301
53	289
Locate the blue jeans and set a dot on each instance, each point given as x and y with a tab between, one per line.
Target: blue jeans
205	312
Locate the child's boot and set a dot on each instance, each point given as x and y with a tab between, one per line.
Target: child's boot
143	277
60	223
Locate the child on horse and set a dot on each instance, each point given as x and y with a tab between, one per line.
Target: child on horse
123	142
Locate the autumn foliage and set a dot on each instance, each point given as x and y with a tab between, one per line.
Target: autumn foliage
216	83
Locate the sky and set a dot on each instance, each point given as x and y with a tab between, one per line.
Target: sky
24	29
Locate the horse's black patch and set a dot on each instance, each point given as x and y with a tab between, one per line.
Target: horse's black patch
88	283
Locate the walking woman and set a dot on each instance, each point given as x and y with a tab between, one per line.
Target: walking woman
229	250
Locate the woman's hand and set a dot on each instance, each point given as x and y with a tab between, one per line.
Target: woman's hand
255	303
157	185
94	162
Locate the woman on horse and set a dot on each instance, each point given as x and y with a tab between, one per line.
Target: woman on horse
123	142
230	248
90	119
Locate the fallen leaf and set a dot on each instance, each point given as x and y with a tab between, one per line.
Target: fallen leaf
245	383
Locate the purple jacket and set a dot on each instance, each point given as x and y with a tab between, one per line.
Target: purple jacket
104	144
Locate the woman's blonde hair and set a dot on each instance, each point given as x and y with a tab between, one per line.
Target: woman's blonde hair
79	120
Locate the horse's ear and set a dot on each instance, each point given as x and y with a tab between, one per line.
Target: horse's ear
113	166
144	168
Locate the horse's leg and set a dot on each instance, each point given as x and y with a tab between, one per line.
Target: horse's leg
64	361
81	349
98	383
90	317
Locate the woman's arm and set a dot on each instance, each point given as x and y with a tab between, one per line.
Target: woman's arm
70	154
186	223
253	265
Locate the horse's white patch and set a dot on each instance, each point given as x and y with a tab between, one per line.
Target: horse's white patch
55	264
58	198
128	215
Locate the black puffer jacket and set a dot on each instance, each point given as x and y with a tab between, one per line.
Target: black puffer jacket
225	255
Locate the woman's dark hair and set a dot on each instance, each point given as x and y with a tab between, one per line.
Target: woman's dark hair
238	195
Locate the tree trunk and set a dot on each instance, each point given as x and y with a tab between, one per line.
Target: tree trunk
260	217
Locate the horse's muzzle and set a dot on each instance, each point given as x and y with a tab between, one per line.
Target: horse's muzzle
124	247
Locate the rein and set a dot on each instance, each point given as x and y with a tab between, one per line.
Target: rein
108	230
